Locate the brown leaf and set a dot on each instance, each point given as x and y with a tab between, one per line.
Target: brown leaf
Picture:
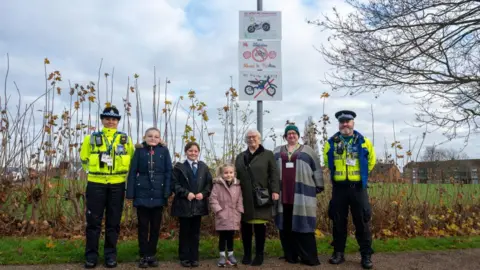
50	244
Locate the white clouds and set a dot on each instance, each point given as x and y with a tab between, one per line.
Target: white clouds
194	44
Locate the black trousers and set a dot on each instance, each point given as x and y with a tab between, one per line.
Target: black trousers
102	198
356	198
225	237
149	220
189	238
247	230
297	244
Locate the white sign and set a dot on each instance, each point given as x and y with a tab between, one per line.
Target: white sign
255	55
260	85
260	25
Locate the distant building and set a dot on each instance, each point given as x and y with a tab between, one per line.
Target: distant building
449	171
386	173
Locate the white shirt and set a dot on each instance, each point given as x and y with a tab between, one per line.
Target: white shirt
190	162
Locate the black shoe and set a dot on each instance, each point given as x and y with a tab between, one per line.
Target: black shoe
247	259
258	260
367	261
194	263
152	261
90	264
185	263
337	258
291	259
111	263
143	263
311	263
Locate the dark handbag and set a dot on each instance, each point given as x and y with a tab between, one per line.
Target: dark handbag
261	196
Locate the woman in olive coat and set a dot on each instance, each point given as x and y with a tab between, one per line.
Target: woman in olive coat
256	167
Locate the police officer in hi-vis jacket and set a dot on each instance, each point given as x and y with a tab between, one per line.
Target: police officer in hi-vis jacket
350	157
105	156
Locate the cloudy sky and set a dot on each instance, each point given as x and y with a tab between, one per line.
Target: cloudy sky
194	44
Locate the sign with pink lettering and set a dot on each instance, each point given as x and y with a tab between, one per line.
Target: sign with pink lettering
259	55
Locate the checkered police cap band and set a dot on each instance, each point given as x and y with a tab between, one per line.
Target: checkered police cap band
110	114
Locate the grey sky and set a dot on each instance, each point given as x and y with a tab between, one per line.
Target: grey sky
194	44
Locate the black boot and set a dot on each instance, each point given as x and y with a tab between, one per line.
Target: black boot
247	258
111	263
143	263
367	261
90	264
152	261
337	258
258	260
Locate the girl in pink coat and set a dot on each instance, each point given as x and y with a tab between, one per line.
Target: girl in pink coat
227	204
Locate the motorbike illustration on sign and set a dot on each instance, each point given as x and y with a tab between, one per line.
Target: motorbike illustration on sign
260	25
265	26
259	55
266	85
260	85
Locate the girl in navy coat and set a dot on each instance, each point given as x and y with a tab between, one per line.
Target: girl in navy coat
149	186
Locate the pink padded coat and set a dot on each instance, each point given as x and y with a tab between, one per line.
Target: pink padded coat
227	204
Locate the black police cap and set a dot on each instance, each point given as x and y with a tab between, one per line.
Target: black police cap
110	112
345	115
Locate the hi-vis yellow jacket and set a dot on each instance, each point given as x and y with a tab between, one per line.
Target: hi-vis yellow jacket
362	154
110	142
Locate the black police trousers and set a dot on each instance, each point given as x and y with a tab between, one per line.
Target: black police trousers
108	199
355	197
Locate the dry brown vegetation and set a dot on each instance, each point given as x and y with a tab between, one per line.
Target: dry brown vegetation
48	199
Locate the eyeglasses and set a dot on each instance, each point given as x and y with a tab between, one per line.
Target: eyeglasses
252	137
344	121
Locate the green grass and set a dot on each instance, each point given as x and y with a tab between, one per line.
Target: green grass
35	250
432	193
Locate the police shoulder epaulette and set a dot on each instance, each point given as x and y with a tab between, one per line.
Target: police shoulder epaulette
97	133
121	133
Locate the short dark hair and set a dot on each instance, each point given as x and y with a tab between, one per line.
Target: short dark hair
190	145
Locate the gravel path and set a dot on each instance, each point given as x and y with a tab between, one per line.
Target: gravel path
455	259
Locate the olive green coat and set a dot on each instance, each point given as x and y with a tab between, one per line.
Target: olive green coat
266	175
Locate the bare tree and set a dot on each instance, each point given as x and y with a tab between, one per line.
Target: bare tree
434	153
310	134
429	49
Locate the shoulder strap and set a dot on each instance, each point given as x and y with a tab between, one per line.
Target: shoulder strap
249	171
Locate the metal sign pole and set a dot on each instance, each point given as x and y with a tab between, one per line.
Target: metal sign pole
260	102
